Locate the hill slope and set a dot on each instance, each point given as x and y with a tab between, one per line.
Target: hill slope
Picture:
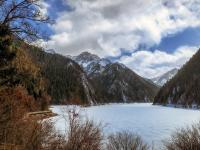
117	83
184	88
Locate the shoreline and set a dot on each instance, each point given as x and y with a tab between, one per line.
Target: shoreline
178	106
100	104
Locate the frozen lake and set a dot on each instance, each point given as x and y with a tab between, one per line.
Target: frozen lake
152	123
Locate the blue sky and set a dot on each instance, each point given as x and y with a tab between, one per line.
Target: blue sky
189	37
149	36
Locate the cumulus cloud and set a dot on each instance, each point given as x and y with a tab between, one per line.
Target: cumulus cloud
105	27
151	64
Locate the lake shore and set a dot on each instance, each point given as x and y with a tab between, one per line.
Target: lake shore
190	107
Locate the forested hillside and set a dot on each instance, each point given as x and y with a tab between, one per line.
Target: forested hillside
66	81
19	73
184	88
117	83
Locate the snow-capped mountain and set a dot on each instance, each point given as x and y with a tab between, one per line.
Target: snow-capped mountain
114	82
92	64
161	80
86	58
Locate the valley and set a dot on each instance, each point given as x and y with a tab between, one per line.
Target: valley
99	75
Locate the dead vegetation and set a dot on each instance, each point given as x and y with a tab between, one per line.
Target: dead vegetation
126	141
15	131
185	139
82	134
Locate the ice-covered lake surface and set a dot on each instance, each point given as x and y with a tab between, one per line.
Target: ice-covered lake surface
152	123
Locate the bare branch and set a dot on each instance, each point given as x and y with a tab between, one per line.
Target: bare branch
20	16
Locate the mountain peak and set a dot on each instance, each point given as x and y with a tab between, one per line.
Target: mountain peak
91	63
86	56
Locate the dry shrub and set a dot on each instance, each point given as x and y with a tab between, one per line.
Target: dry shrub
14	103
185	139
125	141
34	135
16	130
83	134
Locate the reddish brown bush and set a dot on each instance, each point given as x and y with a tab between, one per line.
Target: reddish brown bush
29	134
14	103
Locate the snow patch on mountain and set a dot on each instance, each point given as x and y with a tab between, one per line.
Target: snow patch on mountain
161	80
50	51
91	63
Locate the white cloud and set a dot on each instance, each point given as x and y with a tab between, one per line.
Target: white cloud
43	7
104	27
151	64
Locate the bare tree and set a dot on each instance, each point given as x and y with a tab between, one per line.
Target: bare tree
21	18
